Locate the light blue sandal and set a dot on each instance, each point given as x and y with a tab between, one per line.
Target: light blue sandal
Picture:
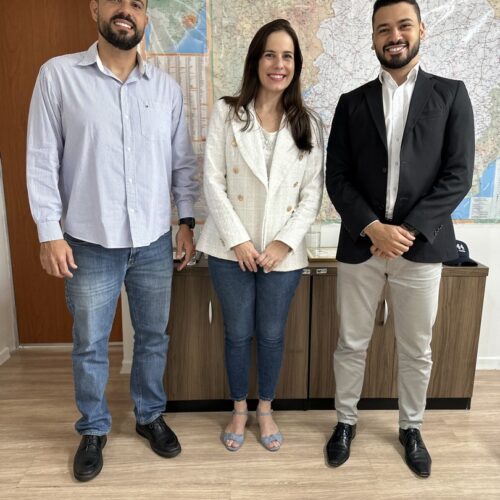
231	436
267	440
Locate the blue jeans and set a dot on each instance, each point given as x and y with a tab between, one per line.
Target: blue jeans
91	296
253	302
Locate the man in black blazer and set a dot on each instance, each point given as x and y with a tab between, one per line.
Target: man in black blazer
400	159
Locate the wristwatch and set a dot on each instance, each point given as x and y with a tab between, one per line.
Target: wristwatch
189	221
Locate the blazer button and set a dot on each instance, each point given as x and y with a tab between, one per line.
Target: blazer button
289	208
234	143
240	197
384	170
236	170
295	184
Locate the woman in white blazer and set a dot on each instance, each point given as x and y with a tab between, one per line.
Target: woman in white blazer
263	183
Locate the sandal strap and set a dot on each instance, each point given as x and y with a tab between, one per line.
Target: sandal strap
263	413
231	436
267	440
243	413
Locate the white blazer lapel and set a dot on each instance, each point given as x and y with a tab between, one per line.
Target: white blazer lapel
250	146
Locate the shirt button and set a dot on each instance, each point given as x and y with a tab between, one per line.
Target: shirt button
132	210
130	180
128	149
236	170
295	184
289	208
234	144
301	156
240	197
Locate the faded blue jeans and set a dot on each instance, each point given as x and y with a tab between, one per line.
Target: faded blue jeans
253	303
91	296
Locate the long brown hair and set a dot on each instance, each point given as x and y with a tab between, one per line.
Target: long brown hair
297	114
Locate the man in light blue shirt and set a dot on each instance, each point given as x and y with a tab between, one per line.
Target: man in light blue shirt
107	146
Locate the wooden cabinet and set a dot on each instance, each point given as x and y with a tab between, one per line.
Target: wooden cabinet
454	344
195	366
195	369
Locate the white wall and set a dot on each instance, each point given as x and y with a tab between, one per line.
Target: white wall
483	241
8	326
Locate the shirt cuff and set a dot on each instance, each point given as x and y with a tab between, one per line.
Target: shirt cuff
363	233
185	209
49	231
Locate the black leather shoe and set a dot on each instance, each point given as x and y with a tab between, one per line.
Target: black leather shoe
161	437
339	446
88	458
417	457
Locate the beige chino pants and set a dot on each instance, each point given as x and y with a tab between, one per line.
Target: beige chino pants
414	291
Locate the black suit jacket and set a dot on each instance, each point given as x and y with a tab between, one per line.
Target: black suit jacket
436	166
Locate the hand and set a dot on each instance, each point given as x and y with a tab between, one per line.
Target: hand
273	255
246	255
389	241
185	244
57	257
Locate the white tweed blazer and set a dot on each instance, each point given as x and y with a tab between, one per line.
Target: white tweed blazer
244	204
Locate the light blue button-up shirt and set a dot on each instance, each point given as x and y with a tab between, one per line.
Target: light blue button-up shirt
103	155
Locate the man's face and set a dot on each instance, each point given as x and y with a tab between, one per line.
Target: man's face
120	22
396	35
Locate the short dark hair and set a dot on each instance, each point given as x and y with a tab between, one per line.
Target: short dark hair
384	3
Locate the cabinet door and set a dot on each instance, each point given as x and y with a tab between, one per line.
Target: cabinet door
292	383
195	367
456	337
380	371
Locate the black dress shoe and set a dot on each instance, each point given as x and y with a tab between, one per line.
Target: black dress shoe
88	458
339	446
416	455
161	437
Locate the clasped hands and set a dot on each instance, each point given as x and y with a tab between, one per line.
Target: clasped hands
249	258
389	241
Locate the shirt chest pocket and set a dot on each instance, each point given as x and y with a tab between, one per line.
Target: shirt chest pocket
154	119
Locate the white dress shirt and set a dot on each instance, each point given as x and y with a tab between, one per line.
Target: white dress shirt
396	105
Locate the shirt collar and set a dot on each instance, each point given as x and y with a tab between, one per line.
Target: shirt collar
386	78
91	56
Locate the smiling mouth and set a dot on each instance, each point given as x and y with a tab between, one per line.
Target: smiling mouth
396	49
276	77
126	25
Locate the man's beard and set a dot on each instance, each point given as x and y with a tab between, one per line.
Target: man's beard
122	42
397	62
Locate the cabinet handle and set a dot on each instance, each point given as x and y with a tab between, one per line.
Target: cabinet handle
209	312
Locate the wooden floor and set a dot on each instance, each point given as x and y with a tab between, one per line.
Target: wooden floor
37	443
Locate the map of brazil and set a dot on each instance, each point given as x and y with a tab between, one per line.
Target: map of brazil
203	43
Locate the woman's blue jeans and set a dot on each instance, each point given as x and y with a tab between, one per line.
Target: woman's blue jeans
91	296
253	303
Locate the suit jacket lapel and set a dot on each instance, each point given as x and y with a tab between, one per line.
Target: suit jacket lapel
376	105
250	146
421	93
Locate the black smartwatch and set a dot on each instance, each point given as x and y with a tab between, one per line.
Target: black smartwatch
189	221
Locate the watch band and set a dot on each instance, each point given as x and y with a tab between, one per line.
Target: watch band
189	221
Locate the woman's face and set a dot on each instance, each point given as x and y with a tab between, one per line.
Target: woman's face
277	64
